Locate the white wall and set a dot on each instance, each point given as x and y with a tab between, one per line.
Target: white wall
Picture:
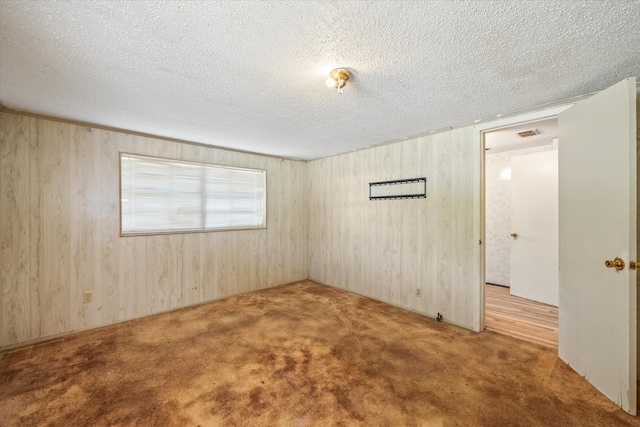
638	228
389	249
59	228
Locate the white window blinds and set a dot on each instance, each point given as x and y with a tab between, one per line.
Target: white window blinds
163	195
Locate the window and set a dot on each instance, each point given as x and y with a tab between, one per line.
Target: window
163	195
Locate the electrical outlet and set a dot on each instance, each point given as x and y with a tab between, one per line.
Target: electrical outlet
418	292
87	297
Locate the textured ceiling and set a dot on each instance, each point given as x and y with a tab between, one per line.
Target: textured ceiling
250	74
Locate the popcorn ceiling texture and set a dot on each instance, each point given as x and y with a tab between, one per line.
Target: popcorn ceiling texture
250	75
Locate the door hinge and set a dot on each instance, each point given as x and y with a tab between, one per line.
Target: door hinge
480	241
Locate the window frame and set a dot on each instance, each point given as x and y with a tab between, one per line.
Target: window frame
122	154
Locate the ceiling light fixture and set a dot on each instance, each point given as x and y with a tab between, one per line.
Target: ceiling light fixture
338	79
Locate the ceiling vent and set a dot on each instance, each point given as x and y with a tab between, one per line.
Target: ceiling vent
527	133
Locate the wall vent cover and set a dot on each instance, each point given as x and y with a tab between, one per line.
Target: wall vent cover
527	133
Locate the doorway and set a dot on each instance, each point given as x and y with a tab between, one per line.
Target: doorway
521	230
598	175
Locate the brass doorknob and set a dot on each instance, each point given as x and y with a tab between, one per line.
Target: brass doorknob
514	235
617	263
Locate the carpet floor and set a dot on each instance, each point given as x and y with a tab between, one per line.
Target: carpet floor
296	355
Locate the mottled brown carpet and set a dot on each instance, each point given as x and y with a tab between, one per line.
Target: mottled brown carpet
297	355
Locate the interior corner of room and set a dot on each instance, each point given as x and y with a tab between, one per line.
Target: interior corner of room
521	222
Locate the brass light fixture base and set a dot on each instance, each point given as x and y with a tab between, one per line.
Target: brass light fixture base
340	75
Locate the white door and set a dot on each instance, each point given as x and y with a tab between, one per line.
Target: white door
534	219
598	210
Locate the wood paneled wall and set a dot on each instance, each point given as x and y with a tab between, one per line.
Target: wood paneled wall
59	225
391	249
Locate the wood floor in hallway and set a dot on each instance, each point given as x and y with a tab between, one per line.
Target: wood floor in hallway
520	318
